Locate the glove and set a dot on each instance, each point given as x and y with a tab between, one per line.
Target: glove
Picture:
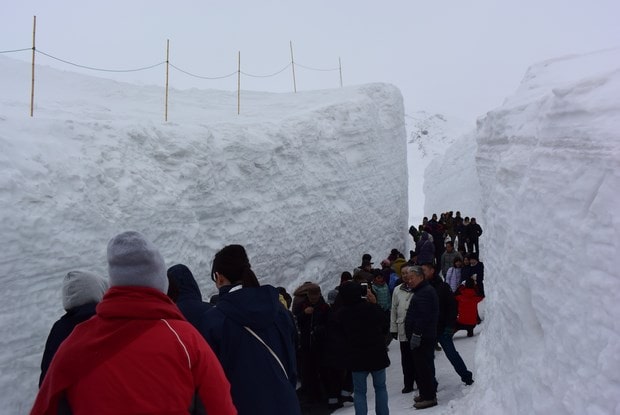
415	341
394	335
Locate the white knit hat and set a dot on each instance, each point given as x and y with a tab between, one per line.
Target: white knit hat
81	287
135	261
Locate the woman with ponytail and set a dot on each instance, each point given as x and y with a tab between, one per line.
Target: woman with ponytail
253	336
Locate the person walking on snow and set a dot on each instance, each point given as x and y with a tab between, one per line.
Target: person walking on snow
447	322
81	291
467	299
421	332
253	336
447	258
138	354
453	277
363	327
400	303
184	291
425	249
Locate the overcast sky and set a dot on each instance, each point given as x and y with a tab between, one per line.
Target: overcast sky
458	57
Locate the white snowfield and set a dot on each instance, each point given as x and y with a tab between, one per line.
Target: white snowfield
308	182
548	179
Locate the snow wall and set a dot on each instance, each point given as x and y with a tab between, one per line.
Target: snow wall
308	182
548	165
451	181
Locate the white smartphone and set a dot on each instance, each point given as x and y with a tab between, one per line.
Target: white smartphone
364	289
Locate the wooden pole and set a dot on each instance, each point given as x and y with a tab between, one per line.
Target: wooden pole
167	73
34	32
293	66
340	69
239	84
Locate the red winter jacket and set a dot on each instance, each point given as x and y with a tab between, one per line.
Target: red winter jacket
468	301
137	355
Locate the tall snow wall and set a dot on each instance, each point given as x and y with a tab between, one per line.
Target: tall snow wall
548	162
451	181
308	182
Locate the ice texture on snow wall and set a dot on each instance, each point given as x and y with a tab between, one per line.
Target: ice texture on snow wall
548	162
308	182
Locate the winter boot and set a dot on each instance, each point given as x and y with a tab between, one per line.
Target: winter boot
425	404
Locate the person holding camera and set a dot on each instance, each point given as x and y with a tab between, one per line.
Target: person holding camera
362	327
311	316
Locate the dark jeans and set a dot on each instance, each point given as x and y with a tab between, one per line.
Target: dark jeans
406	361
425	369
445	340
312	376
337	380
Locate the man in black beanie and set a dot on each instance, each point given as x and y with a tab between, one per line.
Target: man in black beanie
253	336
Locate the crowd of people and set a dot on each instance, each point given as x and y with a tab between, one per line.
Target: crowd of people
144	341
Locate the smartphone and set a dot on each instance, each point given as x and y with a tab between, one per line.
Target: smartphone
364	289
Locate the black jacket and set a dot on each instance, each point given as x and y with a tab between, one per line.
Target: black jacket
474	231
423	312
61	330
313	327
469	270
448	307
363	327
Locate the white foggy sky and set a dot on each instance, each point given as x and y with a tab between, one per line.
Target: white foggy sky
458	57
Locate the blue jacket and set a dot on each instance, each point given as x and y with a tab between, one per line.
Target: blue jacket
189	298
423	312
258	383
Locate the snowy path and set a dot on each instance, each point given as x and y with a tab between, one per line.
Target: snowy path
450	385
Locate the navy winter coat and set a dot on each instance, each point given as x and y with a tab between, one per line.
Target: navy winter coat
61	330
423	312
258	383
189	298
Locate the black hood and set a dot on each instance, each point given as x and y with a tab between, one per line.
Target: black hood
184	280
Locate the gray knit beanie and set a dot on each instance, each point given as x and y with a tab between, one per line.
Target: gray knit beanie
81	287
135	261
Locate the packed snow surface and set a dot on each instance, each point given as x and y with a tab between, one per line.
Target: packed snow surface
308	182
548	177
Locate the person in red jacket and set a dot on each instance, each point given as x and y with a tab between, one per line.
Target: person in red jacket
137	355
467	298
